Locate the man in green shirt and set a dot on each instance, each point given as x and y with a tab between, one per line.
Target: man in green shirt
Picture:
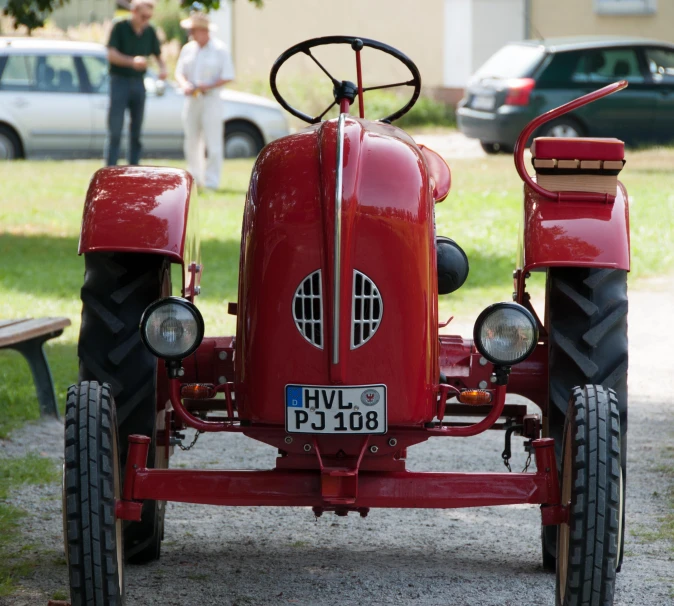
131	42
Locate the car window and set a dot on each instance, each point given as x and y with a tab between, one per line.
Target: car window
608	65
559	70
512	61
57	74
19	73
97	72
661	64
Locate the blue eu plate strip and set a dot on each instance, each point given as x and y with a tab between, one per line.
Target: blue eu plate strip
294	397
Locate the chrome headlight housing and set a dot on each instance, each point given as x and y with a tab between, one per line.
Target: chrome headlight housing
172	328
506	333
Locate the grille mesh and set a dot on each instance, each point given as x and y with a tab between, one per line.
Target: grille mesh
307	309
367	309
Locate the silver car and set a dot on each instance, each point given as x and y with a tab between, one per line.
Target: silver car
54	102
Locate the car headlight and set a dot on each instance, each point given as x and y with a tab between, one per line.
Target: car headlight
172	328
506	333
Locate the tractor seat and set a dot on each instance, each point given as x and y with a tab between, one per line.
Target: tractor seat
583	164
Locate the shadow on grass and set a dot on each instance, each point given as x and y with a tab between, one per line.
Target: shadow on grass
48	265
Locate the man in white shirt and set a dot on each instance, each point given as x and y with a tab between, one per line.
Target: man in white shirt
204	66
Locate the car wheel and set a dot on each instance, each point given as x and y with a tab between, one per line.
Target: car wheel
490	148
587	327
10	146
563	127
588	543
117	289
94	540
242	140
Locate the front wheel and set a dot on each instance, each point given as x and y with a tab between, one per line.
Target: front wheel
589	544
10	146
94	538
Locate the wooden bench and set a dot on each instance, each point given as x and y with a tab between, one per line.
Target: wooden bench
27	336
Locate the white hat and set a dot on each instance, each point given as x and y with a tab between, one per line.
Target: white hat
197	20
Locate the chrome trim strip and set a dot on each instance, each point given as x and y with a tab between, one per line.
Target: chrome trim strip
337	268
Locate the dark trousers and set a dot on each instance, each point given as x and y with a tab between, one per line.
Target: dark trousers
125	92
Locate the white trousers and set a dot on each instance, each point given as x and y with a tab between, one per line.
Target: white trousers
204	132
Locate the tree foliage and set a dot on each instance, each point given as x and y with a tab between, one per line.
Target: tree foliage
33	13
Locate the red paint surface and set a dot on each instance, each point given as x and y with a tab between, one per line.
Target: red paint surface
439	172
578	148
387	233
284	487
375	489
577	234
141	209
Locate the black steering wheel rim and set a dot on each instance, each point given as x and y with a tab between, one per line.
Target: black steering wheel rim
306	46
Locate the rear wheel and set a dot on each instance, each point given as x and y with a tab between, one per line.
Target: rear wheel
117	289
94	542
490	148
242	140
587	327
562	127
588	545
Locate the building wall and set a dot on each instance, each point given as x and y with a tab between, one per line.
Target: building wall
495	23
415	28
579	17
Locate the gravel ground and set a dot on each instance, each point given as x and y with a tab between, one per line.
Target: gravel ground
486	556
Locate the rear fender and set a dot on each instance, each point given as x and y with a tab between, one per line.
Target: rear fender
574	234
140	209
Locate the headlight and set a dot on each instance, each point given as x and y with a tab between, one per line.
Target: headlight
172	328
505	333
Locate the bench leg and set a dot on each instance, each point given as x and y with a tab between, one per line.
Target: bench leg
33	351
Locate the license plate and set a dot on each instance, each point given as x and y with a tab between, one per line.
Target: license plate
484	102
339	410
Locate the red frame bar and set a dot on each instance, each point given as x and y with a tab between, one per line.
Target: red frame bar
480	426
404	489
304	488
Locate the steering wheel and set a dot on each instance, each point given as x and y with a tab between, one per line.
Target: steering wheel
345	89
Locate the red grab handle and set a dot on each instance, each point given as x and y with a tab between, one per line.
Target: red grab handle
551	115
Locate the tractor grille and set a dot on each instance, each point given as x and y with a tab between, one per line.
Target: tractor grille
307	309
367	310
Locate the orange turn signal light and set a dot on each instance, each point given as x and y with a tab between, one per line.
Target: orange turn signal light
475	397
197	391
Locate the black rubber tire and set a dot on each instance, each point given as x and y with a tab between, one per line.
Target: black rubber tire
12	141
566	122
253	136
587	326
490	148
117	289
588	546
92	482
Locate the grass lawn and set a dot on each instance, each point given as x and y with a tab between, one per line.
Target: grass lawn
41	274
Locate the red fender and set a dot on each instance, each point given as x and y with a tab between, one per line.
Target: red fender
575	234
142	209
571	228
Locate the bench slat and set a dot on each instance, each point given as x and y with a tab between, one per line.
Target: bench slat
16	331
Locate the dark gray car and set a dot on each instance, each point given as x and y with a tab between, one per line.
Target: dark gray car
525	79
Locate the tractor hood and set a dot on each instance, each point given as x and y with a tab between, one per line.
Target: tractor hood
338	282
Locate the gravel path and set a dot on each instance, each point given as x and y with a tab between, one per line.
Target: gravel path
486	556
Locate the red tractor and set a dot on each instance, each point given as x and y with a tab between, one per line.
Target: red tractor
337	360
